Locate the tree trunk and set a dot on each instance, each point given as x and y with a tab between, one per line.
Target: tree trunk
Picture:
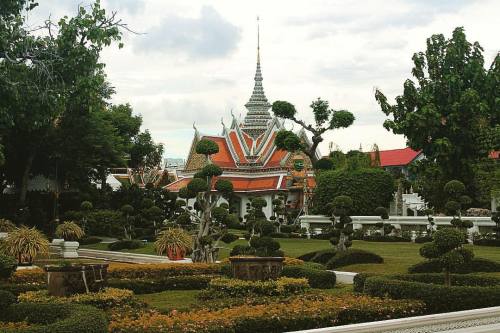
341	245
447	278
23	191
204	252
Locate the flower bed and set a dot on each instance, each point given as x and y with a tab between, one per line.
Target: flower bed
224	287
471	292
158	271
298	313
105	299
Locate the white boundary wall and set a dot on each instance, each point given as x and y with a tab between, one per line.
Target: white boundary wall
486	320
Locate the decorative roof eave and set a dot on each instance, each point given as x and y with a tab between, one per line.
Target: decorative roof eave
270	129
242	141
230	145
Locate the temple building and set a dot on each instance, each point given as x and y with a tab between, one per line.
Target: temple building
250	160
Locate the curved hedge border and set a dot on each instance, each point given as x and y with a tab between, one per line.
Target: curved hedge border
56	318
476	265
354	256
473	292
148	286
317	278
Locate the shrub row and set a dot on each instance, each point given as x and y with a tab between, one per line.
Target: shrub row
126	244
105	299
386	238
36	275
54	318
19	288
475	265
298	313
487	242
284	286
160	271
90	240
148	286
317	278
437	298
353	256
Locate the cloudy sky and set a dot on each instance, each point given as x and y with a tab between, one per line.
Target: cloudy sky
194	61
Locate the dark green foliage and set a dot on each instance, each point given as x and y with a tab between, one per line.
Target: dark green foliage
90	240
368	188
211	170
225	187
266	247
323	256
423	239
317	278
287	229
437	298
197	185
487	242
284	109
475	265
207	147
148	286
381	238
126	245
8	265
56	318
242	250
354	256
6	299
359	281
454	188
229	238
19	288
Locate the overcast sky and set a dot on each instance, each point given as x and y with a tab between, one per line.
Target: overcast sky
195	60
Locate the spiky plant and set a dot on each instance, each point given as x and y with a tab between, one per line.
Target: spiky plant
25	244
70	231
174	240
6	225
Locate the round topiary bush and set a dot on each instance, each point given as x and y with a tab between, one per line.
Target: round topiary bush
317	278
353	256
8	266
475	265
6	300
126	245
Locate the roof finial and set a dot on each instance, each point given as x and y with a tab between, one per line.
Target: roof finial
258	40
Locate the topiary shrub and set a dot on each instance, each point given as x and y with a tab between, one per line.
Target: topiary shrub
149	286
386	238
323	256
317	278
487	242
6	299
239	250
229	238
90	240
359	281
266	247
126	245
475	265
8	266
354	256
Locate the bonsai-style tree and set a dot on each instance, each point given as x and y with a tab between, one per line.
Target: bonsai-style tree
325	119
384	215
127	211
69	231
25	244
447	248
206	199
342	222
255	219
455	190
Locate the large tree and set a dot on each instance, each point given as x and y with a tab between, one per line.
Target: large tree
450	110
325	119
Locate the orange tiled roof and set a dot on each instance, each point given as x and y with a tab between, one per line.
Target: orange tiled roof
178	184
276	158
236	146
223	158
248	140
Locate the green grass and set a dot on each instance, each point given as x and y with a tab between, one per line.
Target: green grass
397	256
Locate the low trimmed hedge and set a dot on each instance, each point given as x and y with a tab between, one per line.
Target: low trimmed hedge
6	299
354	256
55	318
224	287
386	238
161	271
90	240
19	288
487	242
359	281
149	286
297	313
475	265
423	239
321	256
437	297
126	245
317	278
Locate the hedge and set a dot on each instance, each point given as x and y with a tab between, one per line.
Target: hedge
487	242
149	286
298	313
354	256
6	299
359	281
368	188
321	256
160	271
55	318
386	238
317	278
225	287
126	245
437	298
19	288
476	265
90	240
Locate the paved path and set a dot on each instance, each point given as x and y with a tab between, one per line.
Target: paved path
126	257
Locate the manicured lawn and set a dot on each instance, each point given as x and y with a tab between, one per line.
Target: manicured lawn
397	256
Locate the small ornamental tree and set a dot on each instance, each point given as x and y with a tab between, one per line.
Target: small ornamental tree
127	211
342	222
255	219
206	199
457	201
384	215
447	248
325	119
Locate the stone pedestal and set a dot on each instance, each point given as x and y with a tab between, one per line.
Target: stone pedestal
69	249
75	279
256	268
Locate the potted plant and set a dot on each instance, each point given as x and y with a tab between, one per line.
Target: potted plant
175	242
71	233
25	244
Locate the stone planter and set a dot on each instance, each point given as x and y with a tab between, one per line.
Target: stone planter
75	279
69	249
256	268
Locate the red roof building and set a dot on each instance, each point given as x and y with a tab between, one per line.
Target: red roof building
397	157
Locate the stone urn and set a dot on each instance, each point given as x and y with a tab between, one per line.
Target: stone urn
68	280
256	268
69	249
